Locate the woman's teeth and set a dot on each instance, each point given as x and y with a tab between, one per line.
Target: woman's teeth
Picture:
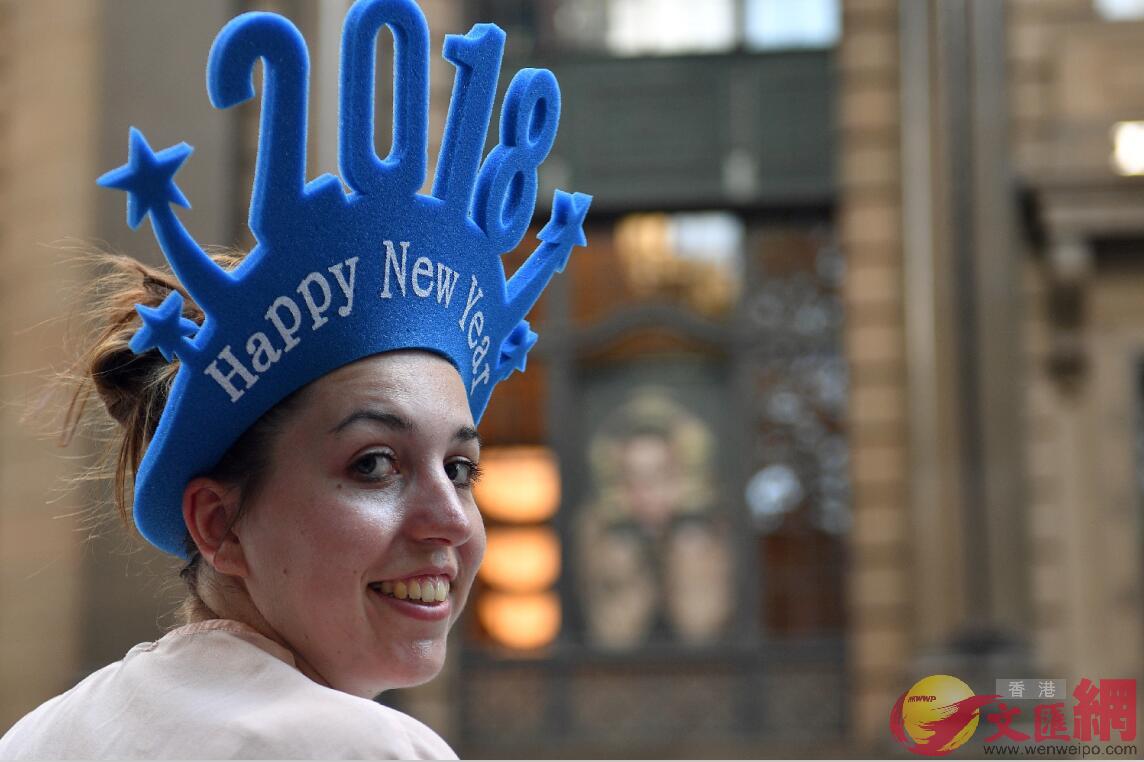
423	590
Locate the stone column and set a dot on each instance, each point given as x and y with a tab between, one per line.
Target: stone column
880	592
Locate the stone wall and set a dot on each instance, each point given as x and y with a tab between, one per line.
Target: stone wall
1071	76
48	66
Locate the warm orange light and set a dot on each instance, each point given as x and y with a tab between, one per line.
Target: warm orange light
521	560
519	621
519	484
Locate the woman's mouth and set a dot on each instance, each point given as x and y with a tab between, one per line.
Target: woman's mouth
425	591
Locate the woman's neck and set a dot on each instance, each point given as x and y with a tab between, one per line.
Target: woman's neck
227	598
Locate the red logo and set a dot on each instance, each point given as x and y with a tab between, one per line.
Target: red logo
940	714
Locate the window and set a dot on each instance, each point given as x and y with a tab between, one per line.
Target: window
689	420
1119	10
657	27
668	27
690	260
773	24
665	27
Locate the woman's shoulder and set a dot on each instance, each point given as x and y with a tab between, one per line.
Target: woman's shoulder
214	690
331	723
278	711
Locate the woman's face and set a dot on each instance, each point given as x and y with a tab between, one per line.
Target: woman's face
369	498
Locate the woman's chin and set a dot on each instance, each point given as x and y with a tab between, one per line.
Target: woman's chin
416	667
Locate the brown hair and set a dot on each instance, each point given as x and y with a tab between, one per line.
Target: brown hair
134	390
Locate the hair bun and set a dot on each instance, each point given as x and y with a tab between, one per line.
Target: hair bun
122	379
133	388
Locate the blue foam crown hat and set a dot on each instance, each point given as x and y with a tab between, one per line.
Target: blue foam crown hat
339	275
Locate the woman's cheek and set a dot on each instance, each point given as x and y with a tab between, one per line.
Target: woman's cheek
353	515
474	550
480	535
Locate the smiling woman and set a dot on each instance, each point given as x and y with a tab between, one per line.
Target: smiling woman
332	547
308	444
383	497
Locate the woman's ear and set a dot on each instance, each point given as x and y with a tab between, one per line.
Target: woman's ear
209	509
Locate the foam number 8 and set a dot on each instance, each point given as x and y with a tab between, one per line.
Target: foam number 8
506	189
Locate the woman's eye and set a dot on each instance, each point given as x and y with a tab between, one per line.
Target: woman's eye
463	473
374	466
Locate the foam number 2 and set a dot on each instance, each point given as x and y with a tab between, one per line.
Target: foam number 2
506	189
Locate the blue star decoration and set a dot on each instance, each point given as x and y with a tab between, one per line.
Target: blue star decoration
514	350
148	178
566	226
165	328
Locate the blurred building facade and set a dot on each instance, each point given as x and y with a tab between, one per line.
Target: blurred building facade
995	389
845	390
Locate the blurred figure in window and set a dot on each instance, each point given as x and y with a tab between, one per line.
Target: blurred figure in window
654	558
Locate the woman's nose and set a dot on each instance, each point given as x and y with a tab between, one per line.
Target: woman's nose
439	512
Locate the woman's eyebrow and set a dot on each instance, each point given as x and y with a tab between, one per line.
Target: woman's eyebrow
390	420
467	434
396	422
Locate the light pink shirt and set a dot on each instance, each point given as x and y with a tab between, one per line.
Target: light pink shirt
214	690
